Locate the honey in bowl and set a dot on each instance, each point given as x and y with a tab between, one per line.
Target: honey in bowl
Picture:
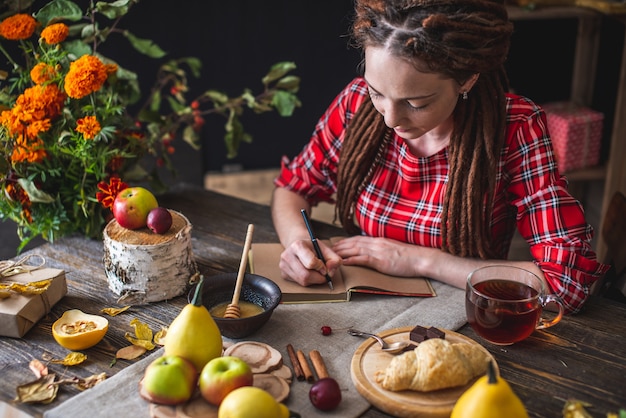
247	309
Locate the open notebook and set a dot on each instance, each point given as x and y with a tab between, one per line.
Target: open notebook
264	258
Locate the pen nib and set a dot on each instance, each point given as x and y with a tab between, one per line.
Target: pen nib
330	285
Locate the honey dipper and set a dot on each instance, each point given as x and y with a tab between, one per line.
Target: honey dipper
232	310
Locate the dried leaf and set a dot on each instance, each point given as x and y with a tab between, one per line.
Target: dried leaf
32	288
130	352
143	335
72	359
159	337
576	409
90	381
38	368
42	390
114	311
148	345
142	331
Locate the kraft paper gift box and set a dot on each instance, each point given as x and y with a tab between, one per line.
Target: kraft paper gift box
19	313
576	133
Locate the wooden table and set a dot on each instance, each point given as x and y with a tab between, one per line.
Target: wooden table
583	357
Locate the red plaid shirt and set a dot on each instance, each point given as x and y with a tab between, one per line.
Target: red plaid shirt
404	199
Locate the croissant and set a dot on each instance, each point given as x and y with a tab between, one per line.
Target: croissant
434	364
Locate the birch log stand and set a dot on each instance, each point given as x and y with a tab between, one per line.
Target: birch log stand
143	267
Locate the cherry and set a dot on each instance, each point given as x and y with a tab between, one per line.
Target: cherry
326	330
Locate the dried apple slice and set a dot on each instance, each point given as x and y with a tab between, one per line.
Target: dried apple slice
261	357
274	385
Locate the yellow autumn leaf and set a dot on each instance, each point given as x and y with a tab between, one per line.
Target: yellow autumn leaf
32	288
40	284
130	352
159	336
143	335
72	359
575	409
142	331
147	344
114	311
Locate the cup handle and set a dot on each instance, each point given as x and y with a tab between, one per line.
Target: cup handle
547	323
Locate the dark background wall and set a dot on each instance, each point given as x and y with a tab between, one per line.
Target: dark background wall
239	40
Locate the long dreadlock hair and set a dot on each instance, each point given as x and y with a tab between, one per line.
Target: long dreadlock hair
456	38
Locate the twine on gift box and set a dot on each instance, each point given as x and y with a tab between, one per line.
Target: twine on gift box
11	268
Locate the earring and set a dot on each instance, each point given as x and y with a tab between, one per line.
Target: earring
465	95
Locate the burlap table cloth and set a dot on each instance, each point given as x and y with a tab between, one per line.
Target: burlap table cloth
298	325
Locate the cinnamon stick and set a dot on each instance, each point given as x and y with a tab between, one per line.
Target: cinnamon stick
295	363
318	364
308	373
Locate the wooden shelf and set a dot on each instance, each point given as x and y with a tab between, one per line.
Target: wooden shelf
587	174
585	62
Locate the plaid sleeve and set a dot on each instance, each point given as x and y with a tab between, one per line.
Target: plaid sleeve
548	217
313	172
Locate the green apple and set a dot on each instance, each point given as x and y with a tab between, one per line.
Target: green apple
221	376
169	380
132	205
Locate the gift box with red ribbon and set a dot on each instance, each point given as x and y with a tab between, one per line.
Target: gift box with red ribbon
576	133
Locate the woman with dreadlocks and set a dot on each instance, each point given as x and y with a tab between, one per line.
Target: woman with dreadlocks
432	164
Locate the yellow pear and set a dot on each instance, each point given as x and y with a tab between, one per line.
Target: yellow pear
193	334
490	397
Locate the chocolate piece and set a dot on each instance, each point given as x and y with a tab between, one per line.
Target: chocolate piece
409	347
419	334
433	332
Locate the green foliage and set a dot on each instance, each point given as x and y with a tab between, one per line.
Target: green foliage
61	188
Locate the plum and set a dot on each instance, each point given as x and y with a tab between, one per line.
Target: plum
325	394
159	220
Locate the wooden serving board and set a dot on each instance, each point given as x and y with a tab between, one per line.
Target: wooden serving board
368	359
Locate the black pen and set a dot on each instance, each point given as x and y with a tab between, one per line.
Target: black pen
316	246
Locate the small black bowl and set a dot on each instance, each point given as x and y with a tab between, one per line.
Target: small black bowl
254	289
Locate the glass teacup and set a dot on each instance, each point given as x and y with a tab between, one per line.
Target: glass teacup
504	304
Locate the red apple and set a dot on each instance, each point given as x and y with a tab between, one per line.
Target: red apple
169	380
325	394
221	376
132	205
159	220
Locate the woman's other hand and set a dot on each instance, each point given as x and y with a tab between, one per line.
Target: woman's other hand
385	255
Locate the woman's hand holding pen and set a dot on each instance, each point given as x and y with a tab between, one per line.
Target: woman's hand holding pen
300	264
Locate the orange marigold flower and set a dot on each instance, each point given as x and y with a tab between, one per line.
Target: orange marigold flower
111	68
116	163
42	72
18	194
36	106
55	33
108	192
30	151
86	75
88	126
18	27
